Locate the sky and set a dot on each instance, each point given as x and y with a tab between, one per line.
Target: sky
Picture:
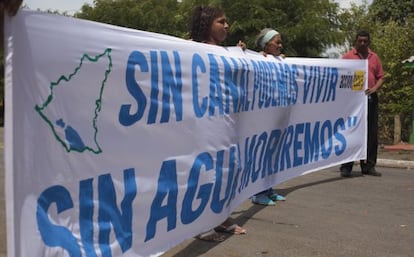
347	3
72	6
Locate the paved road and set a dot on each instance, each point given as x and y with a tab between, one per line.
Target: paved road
324	216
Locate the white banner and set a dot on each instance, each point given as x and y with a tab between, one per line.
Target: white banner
124	143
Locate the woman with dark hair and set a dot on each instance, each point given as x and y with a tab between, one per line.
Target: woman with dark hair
209	25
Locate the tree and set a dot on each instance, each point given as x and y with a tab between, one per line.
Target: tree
394	10
395	45
307	27
393	25
148	15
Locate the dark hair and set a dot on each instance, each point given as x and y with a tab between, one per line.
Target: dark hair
202	20
362	33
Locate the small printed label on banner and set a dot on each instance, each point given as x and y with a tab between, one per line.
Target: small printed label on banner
358	83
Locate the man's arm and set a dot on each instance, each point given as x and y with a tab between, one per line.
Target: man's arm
379	76
375	88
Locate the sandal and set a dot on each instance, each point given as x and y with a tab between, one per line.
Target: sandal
211	236
233	229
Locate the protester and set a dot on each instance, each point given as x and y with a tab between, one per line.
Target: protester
209	25
270	43
361	50
10	7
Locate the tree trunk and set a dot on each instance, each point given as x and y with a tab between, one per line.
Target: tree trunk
397	129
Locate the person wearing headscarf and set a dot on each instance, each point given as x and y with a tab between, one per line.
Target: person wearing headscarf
270	43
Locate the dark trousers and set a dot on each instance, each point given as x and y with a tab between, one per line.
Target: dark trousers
372	144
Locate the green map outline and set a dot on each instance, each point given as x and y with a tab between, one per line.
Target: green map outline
98	102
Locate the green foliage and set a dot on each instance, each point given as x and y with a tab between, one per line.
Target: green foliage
395	10
1	88
392	26
150	15
2	75
397	93
307	27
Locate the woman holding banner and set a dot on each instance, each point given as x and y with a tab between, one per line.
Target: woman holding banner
270	43
209	25
10	7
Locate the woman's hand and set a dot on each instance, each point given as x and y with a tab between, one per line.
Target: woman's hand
242	45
